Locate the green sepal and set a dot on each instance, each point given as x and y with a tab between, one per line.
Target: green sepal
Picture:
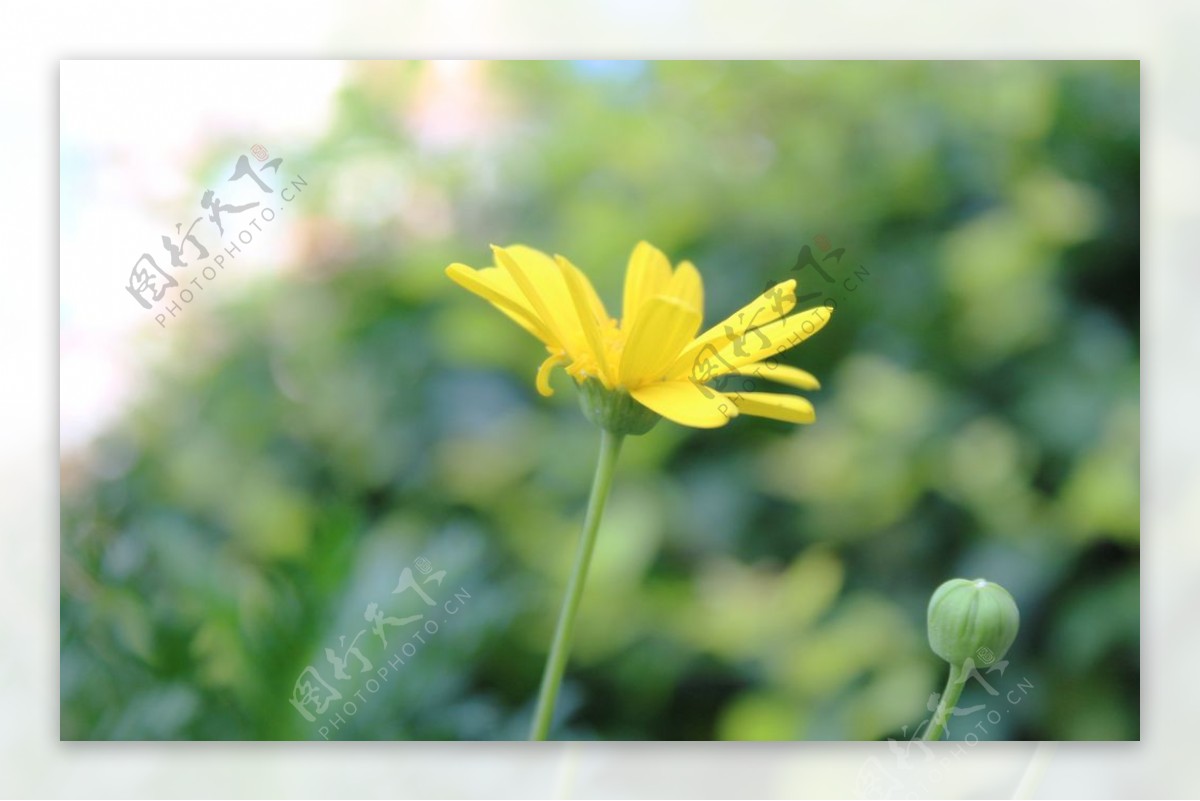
615	410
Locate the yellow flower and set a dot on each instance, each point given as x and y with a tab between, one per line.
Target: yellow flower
654	352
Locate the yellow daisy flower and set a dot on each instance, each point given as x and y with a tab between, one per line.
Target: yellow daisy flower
654	354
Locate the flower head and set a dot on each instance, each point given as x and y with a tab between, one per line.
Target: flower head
972	620
654	353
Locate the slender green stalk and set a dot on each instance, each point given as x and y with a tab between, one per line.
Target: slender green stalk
954	688
556	662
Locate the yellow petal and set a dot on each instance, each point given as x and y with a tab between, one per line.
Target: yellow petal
586	303
788	408
687	285
497	288
663	326
647	275
594	304
781	374
541	283
767	307
543	374
687	403
769	340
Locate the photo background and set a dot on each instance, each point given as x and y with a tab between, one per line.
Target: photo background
337	408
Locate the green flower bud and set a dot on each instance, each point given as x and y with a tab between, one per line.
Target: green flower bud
615	410
975	620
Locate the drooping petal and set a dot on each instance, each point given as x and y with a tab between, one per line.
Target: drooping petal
663	326
779	373
771	305
687	403
586	303
497	287
788	408
543	374
647	275
769	340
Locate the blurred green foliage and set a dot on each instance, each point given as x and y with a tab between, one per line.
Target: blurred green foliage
304	441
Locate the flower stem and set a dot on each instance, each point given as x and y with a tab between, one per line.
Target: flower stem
556	662
954	688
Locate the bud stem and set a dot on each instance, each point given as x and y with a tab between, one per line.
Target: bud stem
556	662
954	688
